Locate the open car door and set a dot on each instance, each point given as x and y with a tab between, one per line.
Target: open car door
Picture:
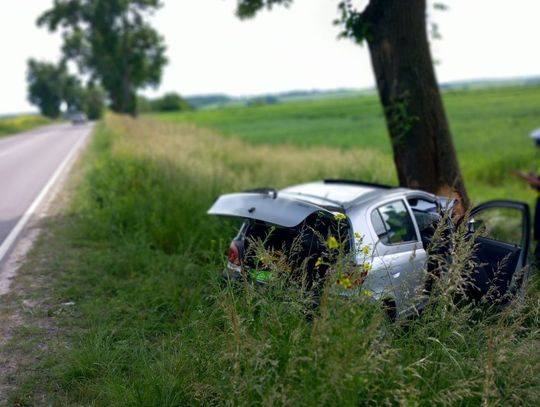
502	246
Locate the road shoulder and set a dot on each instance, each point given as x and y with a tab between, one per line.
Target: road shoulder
26	301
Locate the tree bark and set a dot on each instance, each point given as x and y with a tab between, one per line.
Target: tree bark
424	153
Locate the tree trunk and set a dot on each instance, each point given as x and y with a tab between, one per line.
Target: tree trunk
424	153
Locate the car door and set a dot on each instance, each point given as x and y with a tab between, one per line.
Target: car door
502	244
400	250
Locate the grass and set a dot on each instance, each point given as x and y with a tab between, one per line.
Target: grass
151	325
490	128
18	124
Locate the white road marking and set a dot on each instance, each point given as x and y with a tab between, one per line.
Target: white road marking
12	237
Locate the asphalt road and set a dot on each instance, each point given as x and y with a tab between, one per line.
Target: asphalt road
29	164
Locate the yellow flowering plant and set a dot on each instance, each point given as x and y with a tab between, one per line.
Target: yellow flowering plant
340	216
351	274
332	243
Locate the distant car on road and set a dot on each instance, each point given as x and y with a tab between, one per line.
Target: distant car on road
78	118
393	225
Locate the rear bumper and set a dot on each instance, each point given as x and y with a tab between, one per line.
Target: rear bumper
235	274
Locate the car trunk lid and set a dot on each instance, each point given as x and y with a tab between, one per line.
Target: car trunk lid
269	207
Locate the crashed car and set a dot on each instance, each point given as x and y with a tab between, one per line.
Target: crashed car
394	225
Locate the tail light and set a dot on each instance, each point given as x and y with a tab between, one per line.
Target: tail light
234	254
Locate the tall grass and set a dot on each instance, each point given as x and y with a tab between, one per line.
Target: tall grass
153	324
490	129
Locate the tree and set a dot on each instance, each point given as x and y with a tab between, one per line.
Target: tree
170	102
49	85
94	102
73	93
111	41
396	33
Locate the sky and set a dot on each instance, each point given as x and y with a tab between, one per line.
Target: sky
211	51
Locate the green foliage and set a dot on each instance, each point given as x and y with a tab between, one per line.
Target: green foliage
94	102
248	8
73	94
111	41
170	102
400	121
49	85
353	22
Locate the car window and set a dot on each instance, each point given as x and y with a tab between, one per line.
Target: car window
378	224
425	212
423	205
393	224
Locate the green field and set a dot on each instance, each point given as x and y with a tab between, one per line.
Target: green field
13	125
490	126
129	309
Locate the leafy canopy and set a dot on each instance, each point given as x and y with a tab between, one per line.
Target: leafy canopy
49	85
112	42
352	21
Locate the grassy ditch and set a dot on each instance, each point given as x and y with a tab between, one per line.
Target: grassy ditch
13	125
151	325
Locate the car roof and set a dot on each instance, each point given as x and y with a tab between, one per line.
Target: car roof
343	193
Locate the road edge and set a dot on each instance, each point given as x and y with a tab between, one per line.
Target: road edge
22	237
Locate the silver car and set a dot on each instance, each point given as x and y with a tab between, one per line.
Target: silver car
395	226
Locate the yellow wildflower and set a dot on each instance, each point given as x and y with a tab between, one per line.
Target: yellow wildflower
367	293
340	216
346	282
358	235
365	250
264	258
367	267
332	242
319	262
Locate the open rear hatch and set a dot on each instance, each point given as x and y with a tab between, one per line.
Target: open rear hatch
282	224
267	207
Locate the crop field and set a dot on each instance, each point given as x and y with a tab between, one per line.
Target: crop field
13	125
141	317
490	129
